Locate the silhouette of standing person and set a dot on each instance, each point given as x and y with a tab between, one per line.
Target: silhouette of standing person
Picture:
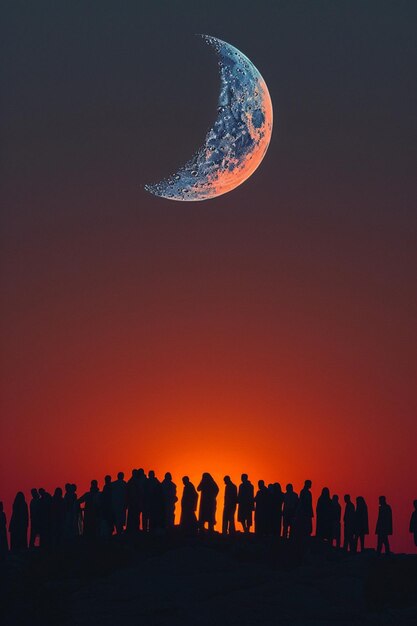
361	522
169	492
72	513
106	507
141	486
19	523
188	520
324	512
229	508
413	522
289	511
245	500
35	522
156	506
275	503
336	520
92	502
262	509
349	525
57	517
383	526
4	546
305	514
118	497
45	503
132	500
207	511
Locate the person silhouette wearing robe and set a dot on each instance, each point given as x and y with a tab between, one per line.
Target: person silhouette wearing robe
229	508
336	521
72	513
132	501
118	497
155	505
188	520
34	512
45	504
275	503
289	511
92	505
361	522
305	514
413	522
169	491
19	523
349	525
245	501
208	489
324	512
383	526
262	509
4	545
106	509
57	517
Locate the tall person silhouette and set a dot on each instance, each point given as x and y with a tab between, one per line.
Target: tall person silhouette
349	525
245	500
207	511
19	523
361	522
289	511
4	546
188	521
35	521
383	526
305	514
229	508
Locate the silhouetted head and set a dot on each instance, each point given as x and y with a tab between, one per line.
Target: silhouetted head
67	487
227	480
289	488
325	492
41	492
73	487
120	476
382	500
261	484
335	498
185	480
415	504
307	484
168	476
360	501
58	493
19	499
141	472
277	487
244	478
107	479
151	474
1	507
346	497
94	485
34	493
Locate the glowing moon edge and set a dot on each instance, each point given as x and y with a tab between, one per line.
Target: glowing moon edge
239	138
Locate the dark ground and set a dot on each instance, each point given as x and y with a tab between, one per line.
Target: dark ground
207	581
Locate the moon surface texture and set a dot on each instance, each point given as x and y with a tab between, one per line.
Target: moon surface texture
239	138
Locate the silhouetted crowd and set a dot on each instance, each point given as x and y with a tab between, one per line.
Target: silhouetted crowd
144	503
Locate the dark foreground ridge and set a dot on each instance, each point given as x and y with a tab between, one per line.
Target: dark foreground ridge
171	579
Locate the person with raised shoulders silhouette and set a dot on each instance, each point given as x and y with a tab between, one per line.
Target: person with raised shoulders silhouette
383	526
19	523
106	509
57	517
4	545
336	521
188	520
208	489
413	522
361	522
289	511
262	509
229	508
245	501
92	510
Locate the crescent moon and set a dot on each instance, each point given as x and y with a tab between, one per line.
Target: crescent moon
239	138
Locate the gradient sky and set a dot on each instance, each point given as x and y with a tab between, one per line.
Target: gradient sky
271	330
